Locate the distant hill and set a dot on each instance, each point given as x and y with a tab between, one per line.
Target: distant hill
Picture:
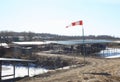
9	36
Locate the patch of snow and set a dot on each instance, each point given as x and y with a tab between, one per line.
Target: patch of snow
116	56
21	71
110	53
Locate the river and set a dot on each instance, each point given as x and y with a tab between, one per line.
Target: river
73	42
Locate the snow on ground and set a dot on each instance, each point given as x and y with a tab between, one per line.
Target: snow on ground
110	53
117	56
21	71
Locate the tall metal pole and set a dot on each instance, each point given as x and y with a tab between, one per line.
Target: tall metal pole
83	43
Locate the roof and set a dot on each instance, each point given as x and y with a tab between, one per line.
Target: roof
29	43
16	60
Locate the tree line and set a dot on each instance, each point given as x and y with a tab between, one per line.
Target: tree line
9	36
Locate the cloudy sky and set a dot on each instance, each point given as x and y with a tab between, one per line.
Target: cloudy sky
100	17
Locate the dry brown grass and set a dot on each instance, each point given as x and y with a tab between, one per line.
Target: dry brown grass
99	70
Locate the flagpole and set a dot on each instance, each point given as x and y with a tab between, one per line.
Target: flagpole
83	43
80	23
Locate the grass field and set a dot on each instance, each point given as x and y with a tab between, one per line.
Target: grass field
97	70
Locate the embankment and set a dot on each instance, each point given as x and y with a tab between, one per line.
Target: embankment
54	61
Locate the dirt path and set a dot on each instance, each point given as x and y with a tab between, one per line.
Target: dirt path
99	70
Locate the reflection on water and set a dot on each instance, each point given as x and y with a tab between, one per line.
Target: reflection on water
72	42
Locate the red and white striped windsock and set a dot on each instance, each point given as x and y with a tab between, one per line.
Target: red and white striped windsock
75	23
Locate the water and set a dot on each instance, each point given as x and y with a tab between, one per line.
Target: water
21	71
108	53
73	42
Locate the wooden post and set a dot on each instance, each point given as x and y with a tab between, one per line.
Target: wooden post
0	71
103	52
28	69
14	72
